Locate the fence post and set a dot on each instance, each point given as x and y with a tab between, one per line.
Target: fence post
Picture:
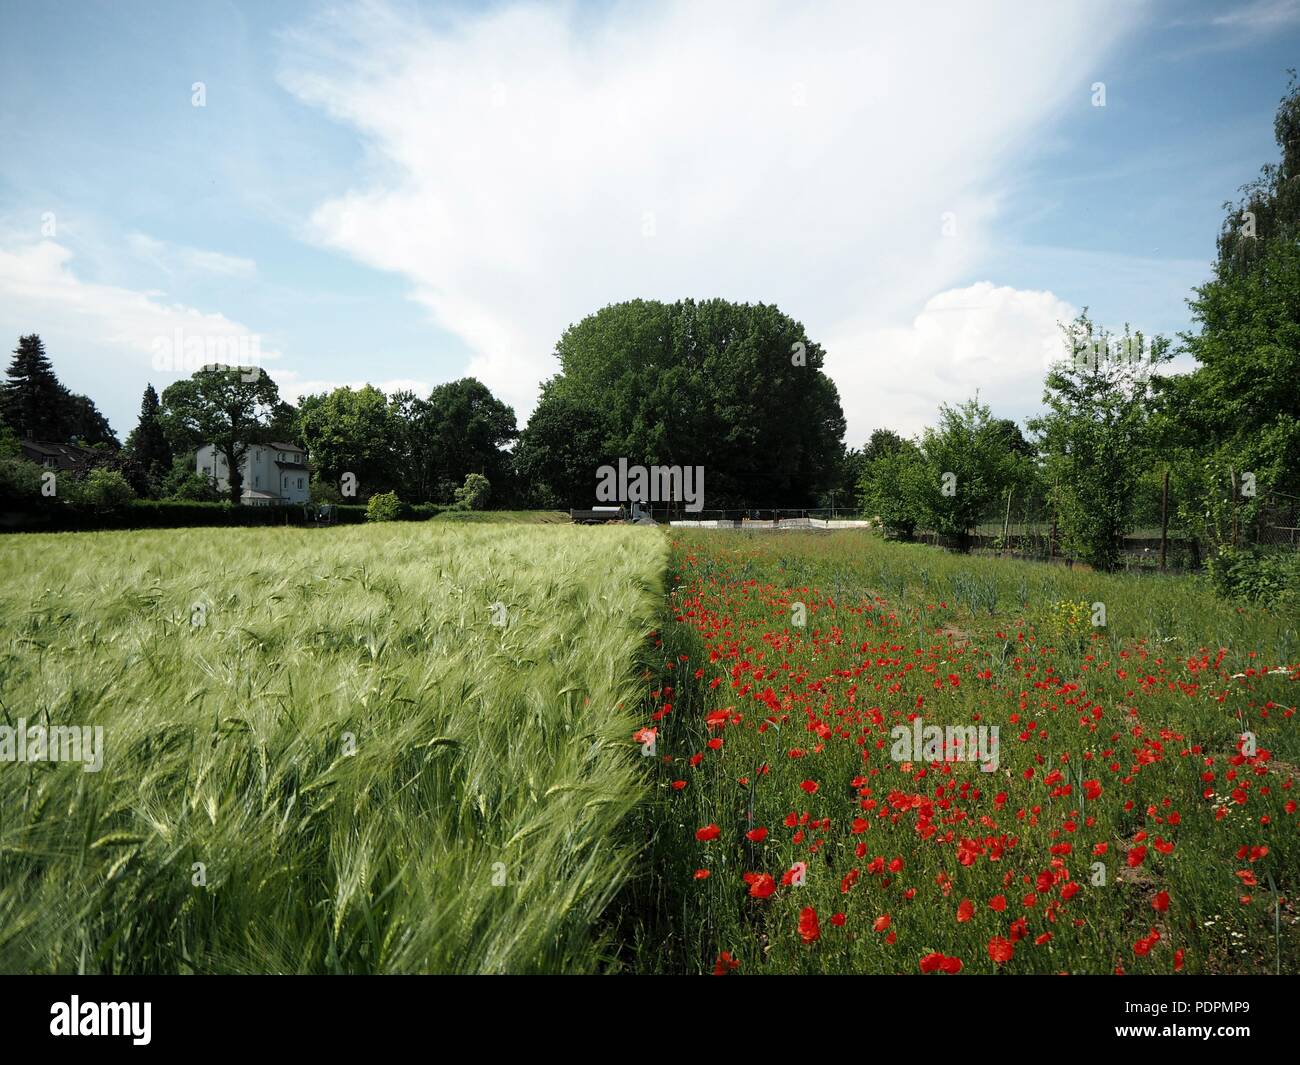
1164	520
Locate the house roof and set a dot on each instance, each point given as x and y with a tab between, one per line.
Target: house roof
280	445
290	465
64	454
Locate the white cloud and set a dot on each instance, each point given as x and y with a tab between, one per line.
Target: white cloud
528	165
995	340
1261	16
171	257
39	291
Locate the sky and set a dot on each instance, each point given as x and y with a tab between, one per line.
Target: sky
404	194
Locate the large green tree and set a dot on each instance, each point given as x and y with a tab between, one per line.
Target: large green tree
735	388
35	404
560	450
228	407
31	400
468	430
1238	412
351	431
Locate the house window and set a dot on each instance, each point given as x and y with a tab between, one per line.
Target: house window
299	482
257	481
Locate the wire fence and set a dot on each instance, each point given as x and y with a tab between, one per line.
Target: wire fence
1025	526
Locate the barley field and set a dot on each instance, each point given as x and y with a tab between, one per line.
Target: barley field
380	749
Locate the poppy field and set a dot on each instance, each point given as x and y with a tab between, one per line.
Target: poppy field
1140	815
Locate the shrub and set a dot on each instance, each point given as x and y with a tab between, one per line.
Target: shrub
104	488
1256	575
19	479
384	506
474	493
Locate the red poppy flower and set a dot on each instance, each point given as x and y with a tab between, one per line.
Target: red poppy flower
881	923
1161	902
809	930
965	911
702	874
809	786
756	835
707	833
1001	950
761	886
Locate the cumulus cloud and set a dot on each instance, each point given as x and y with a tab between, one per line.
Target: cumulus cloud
527	165
983	338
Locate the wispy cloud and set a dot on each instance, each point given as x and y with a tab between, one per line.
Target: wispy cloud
528	165
1261	16
171	258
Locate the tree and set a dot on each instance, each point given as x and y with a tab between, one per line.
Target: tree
1094	436
227	407
184	482
561	449
467	429
971	466
1238	412
32	401
882	442
351	431
147	443
735	388
894	483
83	423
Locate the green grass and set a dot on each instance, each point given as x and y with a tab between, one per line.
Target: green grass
366	774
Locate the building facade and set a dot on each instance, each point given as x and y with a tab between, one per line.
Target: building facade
275	473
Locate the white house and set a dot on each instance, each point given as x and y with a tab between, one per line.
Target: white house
275	473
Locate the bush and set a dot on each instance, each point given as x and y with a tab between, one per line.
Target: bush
19	479
384	506
105	489
474	493
1256	575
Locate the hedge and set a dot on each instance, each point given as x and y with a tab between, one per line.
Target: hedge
55	516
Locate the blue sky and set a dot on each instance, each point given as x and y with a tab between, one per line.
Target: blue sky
404	194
